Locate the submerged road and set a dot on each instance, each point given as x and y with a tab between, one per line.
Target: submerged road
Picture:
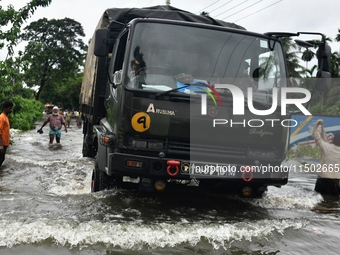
46	207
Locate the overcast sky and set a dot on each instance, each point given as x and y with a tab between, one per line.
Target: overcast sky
255	15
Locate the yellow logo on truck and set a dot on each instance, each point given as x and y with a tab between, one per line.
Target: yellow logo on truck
141	121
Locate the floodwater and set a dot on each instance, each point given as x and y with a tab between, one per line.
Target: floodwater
46	207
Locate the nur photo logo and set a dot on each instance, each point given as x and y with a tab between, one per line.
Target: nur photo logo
239	100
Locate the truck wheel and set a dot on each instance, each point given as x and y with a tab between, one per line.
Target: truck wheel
88	150
101	181
257	192
98	180
95	180
260	191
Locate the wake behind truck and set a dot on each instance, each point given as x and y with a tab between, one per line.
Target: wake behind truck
174	100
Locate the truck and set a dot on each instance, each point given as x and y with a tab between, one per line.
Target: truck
172	101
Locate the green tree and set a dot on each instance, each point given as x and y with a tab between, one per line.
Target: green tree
293	65
337	37
66	93
15	19
26	111
54	52
335	65
307	55
307	82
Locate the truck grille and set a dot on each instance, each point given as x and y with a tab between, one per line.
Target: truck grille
185	149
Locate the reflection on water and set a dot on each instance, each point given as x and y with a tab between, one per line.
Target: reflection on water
47	208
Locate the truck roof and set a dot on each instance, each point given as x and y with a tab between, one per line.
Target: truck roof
125	15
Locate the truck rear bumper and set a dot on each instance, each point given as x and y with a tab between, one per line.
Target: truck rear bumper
168	168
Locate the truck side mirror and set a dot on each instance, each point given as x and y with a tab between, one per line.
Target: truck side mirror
101	47
324	57
323	75
304	44
323	81
117	77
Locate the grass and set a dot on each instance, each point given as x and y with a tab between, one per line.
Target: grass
304	151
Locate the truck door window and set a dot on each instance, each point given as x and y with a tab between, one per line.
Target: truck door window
120	53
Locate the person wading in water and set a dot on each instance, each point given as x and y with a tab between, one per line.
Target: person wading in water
56	121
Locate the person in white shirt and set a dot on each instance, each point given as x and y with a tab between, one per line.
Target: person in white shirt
329	171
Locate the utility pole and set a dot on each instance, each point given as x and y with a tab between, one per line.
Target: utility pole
167	2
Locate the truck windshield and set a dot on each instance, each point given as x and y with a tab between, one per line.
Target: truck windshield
165	56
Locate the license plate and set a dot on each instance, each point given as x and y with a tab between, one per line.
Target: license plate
208	169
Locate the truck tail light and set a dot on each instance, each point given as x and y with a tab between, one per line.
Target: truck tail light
134	163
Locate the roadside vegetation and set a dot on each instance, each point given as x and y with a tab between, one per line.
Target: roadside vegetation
49	69
304	152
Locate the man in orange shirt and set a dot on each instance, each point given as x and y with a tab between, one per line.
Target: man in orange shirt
4	129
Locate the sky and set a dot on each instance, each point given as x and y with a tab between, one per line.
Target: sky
255	15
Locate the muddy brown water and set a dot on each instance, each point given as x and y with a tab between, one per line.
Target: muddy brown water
46	207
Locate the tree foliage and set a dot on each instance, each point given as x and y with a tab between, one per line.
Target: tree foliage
54	52
65	93
14	19
308	55
293	65
26	109
25	113
335	65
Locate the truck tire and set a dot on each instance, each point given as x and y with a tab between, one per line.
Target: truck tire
257	191
89	149
95	180
88	152
101	181
98	178
260	190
